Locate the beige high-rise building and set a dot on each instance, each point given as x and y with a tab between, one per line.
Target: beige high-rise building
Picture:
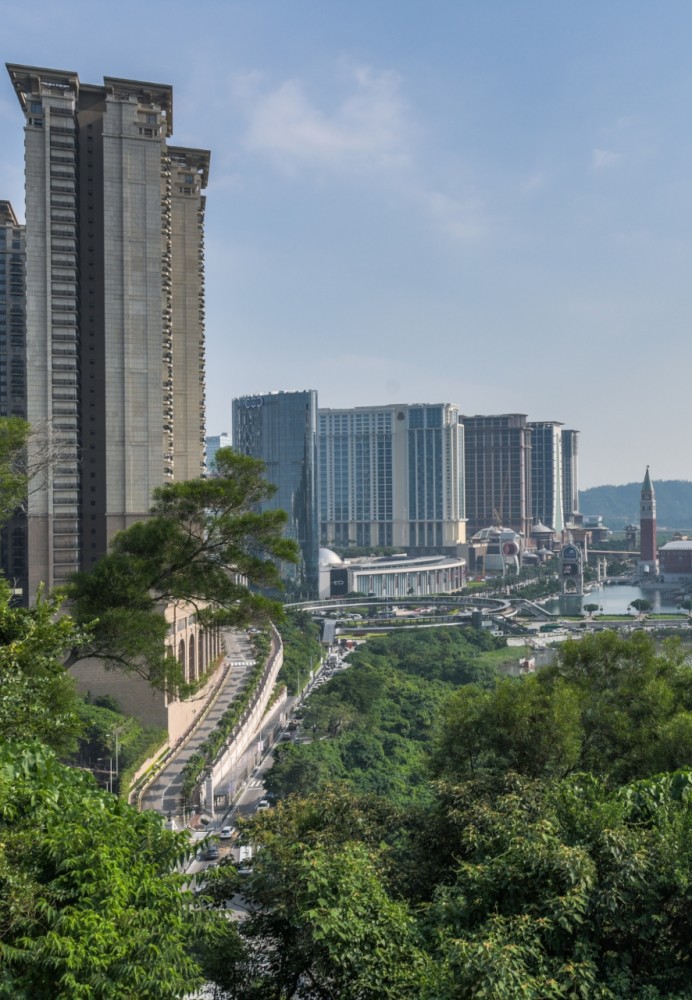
392	475
115	307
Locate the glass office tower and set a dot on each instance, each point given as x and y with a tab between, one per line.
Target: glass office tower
13	374
280	428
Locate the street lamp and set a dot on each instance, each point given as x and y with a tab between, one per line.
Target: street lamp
116	736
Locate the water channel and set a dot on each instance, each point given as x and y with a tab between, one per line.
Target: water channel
614	600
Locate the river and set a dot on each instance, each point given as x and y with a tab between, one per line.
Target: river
615	600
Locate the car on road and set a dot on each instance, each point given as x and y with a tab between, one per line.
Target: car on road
263	804
226	833
211	851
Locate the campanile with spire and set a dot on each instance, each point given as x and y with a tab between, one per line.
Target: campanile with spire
648	562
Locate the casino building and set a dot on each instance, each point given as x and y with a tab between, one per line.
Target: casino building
390	576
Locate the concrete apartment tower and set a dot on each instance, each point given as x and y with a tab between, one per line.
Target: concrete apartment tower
648	561
498	471
115	308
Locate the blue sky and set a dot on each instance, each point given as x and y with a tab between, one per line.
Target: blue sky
485	203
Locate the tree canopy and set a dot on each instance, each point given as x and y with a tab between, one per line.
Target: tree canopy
550	860
90	900
206	543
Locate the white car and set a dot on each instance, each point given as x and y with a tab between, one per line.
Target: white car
226	833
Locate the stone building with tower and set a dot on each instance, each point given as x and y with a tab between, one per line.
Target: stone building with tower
648	559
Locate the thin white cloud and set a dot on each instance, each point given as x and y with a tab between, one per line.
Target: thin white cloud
533	183
604	159
368	129
463	221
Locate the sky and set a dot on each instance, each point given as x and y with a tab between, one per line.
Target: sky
480	202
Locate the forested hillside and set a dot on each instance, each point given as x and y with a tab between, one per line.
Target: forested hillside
465	836
619	505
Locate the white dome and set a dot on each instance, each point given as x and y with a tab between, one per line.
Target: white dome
329	558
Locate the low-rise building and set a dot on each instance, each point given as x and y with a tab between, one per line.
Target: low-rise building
390	576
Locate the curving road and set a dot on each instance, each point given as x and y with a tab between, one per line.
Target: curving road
164	794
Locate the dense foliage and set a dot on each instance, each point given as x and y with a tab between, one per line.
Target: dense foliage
114	745
90	905
302	650
371	726
551	859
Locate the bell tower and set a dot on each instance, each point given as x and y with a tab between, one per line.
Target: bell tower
648	561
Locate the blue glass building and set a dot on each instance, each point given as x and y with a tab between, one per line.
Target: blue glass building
280	428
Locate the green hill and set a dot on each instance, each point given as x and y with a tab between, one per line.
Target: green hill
619	505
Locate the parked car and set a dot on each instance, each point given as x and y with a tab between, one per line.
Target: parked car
226	833
211	851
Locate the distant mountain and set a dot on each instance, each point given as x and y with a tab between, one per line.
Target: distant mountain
619	505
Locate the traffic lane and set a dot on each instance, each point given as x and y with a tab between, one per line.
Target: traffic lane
253	793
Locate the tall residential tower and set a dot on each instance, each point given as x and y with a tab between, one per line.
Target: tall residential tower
498	471
115	307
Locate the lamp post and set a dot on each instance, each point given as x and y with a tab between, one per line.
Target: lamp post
116	736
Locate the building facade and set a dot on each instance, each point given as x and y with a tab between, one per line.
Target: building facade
676	561
396	576
498	472
392	476
546	474
280	428
12	373
115	317
213	443
570	476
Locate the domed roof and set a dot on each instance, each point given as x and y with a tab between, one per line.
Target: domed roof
329	558
541	529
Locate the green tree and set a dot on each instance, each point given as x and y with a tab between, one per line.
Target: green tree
567	889
38	699
14	433
640	605
522	725
90	903
611	705
205	542
323	922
